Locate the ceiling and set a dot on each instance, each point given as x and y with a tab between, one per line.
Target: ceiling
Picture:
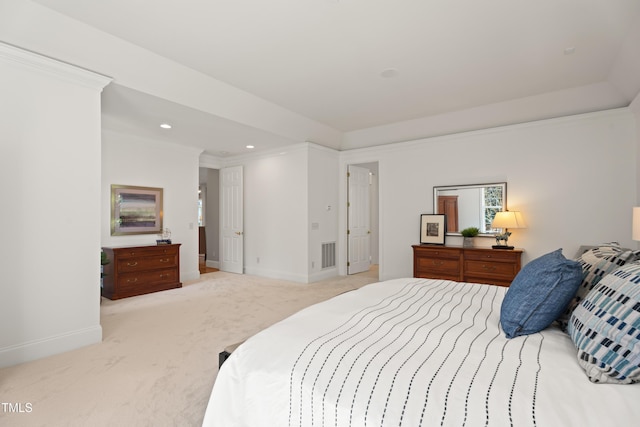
133	112
360	64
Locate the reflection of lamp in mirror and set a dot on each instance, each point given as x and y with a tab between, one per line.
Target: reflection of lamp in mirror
506	220
635	232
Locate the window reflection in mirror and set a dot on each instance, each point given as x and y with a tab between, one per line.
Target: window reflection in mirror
472	205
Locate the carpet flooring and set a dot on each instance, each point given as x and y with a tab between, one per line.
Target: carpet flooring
158	359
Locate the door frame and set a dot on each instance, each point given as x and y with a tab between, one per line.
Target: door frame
358	175
347	159
210	162
232	221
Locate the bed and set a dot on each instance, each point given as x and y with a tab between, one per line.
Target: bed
412	352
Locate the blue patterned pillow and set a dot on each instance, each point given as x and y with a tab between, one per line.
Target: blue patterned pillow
597	263
539	294
605	328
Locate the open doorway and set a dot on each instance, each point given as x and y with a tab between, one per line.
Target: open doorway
208	220
362	219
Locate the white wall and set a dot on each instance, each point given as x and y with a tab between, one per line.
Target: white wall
276	214
128	160
50	216
285	193
573	178
323	208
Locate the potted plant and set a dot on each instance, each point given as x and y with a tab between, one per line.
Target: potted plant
468	234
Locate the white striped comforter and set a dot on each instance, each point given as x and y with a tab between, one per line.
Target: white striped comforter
411	352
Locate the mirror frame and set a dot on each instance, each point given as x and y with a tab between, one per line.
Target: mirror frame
465	186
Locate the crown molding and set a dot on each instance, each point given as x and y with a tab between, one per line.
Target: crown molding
52	67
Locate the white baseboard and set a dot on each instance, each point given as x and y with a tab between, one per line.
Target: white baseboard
37	349
273	274
189	275
212	264
325	274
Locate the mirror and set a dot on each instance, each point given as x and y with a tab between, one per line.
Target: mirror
472	205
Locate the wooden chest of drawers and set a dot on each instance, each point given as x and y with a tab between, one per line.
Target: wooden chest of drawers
462	264
137	270
437	262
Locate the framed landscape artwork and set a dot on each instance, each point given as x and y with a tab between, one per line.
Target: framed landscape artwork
433	229
135	210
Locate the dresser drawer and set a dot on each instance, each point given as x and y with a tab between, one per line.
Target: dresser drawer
147	263
441	253
129	281
503	270
496	255
137	252
439	265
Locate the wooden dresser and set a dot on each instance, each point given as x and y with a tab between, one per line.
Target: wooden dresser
462	264
137	270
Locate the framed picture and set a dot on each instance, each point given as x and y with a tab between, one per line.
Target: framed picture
433	229
135	210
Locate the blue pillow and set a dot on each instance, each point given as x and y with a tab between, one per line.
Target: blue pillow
539	294
597	263
605	328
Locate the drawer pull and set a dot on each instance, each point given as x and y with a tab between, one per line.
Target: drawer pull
134	280
437	262
132	264
489	267
164	260
164	276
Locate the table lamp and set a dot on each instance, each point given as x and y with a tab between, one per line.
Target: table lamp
506	220
635	232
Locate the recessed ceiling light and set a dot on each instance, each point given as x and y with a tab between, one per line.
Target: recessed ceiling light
165	126
251	146
389	72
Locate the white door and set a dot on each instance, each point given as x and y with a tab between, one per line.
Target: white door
231	220
358	228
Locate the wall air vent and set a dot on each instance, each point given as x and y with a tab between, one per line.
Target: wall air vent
328	254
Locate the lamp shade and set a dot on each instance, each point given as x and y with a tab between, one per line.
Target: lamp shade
635	233
509	219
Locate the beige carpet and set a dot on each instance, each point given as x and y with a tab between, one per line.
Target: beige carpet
159	355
